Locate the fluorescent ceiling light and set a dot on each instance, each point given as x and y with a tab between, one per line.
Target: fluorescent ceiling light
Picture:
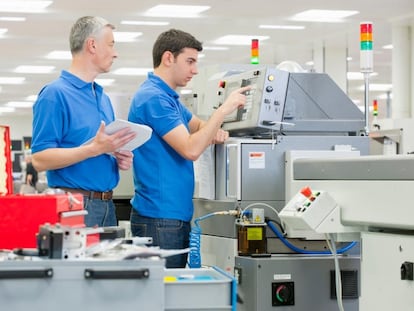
129	71
215	48
34	69
282	27
31	98
186	91
166	10
145	23
239	39
3	31
356	75
387	47
377	87
104	82
7	109
18	6
323	16
59	55
124	36
12	80
19	104
12	19
385	96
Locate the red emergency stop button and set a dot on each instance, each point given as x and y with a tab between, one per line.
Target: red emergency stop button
306	191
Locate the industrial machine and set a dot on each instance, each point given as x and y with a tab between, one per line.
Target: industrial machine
368	197
282	102
285	111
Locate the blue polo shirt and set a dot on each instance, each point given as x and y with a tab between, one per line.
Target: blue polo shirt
163	179
67	113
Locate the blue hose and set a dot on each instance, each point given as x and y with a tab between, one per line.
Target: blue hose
194	257
303	251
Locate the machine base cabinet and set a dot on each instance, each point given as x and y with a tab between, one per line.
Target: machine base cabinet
385	279
295	283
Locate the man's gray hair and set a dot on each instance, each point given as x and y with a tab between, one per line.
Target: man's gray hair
85	27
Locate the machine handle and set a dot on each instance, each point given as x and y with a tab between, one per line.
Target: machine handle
232	187
116	274
26	274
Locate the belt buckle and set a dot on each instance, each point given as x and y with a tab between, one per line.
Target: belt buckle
105	196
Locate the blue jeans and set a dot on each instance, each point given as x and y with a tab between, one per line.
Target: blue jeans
165	233
100	213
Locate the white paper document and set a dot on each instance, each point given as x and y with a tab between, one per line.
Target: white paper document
143	132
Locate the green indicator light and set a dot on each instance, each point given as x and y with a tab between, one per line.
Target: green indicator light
254	60
366	45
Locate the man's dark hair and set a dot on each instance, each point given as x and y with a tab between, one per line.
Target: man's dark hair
174	41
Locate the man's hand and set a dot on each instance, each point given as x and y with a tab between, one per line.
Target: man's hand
104	143
221	137
236	99
124	159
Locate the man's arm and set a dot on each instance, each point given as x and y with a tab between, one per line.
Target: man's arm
191	145
55	158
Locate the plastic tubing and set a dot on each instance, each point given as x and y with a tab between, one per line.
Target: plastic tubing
194	257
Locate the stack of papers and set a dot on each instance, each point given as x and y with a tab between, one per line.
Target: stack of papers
143	133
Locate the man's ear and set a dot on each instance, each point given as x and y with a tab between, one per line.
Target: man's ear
91	45
167	58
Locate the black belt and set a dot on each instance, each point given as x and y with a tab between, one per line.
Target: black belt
105	196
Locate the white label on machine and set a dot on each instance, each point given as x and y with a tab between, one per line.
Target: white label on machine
257	160
278	277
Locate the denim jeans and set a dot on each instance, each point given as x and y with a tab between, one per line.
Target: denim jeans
100	213
165	233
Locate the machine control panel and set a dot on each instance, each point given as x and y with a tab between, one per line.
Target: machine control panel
265	100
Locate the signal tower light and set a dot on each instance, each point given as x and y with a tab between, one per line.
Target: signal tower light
254	59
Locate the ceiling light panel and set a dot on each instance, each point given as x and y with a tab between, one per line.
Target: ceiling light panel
124	36
238	39
356	75
323	16
7	109
377	87
20	6
59	55
215	48
145	23
12	19
12	80
282	27
34	69
129	71
19	104
186	11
